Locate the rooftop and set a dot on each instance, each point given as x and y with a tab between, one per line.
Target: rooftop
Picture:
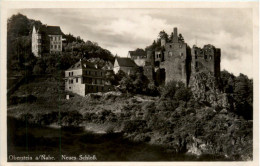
126	62
83	64
138	52
50	30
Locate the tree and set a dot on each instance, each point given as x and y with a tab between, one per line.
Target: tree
243	96
227	81
169	90
180	38
183	93
163	35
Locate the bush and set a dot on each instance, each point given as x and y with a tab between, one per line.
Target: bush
72	118
132	126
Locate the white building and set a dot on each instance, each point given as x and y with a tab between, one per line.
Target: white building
46	39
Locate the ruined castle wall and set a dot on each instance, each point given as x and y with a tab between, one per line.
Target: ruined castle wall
217	62
149	73
175	62
206	59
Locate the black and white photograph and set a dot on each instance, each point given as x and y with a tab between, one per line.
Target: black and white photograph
130	82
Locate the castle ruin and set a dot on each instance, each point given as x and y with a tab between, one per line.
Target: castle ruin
175	60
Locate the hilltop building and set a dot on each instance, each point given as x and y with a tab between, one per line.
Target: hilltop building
175	60
86	77
206	58
46	39
172	59
138	56
127	65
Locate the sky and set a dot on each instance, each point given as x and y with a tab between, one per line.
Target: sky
122	30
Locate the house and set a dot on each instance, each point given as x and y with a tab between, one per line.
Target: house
46	39
85	77
138	56
126	65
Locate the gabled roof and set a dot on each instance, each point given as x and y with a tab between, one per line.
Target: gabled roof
54	30
83	64
125	62
137	53
49	30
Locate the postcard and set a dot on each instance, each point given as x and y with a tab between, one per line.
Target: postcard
122	83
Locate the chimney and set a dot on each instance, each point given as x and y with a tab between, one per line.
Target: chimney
175	35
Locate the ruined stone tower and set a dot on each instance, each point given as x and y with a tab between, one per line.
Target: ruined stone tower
206	59
176	59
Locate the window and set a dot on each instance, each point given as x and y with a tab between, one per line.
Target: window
196	64
55	46
170	46
95	73
181	54
69	73
51	46
196	57
76	80
101	73
59	46
72	73
72	81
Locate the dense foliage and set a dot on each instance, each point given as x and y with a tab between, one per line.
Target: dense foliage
241	87
20	57
136	83
173	119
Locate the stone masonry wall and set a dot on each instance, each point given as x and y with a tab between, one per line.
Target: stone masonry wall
175	62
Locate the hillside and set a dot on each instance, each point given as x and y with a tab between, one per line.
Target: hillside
21	60
211	119
179	126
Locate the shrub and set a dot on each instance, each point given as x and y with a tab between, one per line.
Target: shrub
72	118
132	126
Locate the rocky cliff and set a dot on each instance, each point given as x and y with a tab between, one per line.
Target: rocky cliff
206	88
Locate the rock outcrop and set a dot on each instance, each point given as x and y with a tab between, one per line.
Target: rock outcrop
205	87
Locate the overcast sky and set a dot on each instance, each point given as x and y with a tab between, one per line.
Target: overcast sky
121	30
